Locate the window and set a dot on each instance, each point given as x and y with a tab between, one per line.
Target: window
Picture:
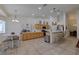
2	26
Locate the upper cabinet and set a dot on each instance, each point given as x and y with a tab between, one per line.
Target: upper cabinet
40	26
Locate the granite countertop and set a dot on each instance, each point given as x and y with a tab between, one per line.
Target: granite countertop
55	31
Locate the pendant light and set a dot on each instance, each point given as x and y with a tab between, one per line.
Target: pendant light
15	18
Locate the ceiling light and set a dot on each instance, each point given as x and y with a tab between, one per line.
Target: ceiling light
33	14
51	11
15	21
39	8
15	17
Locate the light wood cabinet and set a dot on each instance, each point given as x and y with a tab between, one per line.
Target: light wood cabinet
31	35
40	26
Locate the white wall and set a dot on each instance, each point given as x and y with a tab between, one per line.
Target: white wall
17	27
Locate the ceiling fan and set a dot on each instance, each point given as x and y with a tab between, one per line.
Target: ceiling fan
15	17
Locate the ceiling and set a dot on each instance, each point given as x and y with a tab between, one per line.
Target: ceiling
30	10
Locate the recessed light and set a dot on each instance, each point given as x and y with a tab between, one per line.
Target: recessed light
51	11
33	14
39	8
16	21
13	20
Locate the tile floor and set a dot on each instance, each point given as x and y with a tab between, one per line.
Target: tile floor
39	47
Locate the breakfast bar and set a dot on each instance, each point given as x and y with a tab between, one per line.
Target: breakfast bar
30	35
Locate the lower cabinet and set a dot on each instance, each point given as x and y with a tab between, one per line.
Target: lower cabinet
30	35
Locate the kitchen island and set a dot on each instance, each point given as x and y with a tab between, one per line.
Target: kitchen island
55	36
30	35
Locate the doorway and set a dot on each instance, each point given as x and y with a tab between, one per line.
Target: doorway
72	23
